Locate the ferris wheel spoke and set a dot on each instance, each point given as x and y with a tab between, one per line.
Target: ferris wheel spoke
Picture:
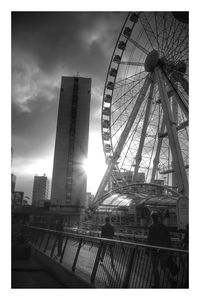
178	53
131	63
158	30
118	108
127	82
181	43
122	125
132	117
127	146
131	77
169	40
167	28
149	31
125	109
140	47
125	120
182	56
130	80
128	91
172	41
164	35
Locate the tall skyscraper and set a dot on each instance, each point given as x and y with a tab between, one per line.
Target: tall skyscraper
71	147
40	190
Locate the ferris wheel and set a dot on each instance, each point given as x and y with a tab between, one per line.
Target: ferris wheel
144	120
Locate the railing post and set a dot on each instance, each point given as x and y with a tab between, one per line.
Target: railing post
77	254
45	248
94	271
37	237
128	270
43	234
62	254
54	246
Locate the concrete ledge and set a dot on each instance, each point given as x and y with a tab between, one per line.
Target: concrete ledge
66	277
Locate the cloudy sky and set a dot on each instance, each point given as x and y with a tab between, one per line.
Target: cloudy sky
45	46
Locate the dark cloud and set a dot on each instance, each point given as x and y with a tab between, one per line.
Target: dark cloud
55	38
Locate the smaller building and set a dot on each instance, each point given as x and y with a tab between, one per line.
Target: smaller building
17	199
40	190
13	182
89	199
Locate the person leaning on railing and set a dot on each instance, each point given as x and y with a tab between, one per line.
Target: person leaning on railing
159	236
107	232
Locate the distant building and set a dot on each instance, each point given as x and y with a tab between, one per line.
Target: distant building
40	190
71	147
17	199
89	199
13	182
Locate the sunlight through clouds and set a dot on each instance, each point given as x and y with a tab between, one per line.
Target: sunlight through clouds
95	165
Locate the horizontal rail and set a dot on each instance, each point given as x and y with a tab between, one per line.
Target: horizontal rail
110	241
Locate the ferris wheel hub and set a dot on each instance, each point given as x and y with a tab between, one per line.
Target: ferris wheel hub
151	61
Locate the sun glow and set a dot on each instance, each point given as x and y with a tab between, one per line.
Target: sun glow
95	169
94	165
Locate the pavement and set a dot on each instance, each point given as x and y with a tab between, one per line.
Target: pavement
29	274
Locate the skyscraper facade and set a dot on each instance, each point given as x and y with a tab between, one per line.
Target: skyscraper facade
40	190
71	147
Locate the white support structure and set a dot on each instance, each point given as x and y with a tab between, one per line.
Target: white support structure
143	134
183	82
156	159
175	115
181	102
122	139
179	168
136	44
131	63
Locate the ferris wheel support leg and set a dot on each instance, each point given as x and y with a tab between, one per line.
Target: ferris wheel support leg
122	139
143	134
183	105
156	159
175	115
181	177
184	83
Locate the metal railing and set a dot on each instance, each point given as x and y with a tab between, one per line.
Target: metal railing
113	263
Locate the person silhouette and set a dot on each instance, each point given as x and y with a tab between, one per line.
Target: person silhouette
107	231
159	236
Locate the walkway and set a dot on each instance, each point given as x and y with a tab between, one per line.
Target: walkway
29	274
